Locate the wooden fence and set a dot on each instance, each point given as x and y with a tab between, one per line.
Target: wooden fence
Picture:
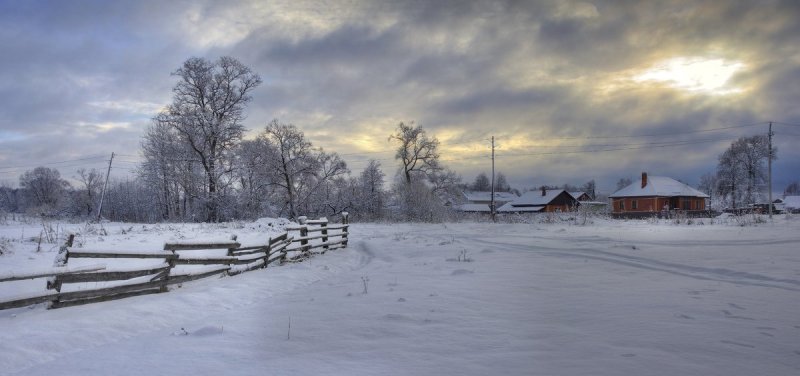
296	244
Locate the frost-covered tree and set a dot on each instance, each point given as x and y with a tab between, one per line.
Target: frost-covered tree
371	195
590	187
742	170
296	168
207	111
416	151
792	189
709	184
501	184
623	182
44	190
481	183
91	185
255	177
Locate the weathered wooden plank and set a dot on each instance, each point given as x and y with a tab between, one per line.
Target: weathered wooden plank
191	277
328	243
22	302
313	229
111	275
206	261
82	294
276	258
105	298
56	271
281	247
239	252
324	236
250	258
250	248
278	238
114	254
199	246
254	265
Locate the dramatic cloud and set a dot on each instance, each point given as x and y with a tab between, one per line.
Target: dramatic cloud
571	90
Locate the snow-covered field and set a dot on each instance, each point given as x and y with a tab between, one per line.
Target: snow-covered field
608	298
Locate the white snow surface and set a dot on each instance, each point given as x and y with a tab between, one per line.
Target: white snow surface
607	298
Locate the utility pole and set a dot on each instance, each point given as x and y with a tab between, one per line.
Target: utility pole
103	195
492	205
769	163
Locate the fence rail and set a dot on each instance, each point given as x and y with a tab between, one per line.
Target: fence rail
157	278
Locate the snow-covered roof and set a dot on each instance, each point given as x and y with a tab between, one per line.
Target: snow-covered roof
535	198
791	202
508	208
660	186
575	195
487	196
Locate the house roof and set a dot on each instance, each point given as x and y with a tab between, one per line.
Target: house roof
508	208
535	198
660	186
791	202
487	196
575	195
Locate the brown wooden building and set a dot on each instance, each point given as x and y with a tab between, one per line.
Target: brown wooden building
554	200
657	195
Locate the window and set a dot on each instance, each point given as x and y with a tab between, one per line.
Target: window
634	204
622	204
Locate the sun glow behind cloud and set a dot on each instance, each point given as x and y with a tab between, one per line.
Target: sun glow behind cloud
709	76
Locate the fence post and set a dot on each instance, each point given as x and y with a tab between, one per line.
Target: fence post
230	252
345	228
303	232
171	262
324	226
53	283
267	250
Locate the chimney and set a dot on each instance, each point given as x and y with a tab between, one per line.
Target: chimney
644	179
544	191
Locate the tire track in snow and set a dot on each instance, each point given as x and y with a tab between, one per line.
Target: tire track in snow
696	272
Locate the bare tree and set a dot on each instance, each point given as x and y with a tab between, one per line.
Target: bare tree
590	188
207	110
741	171
792	189
709	184
372	195
44	189
501	184
482	183
623	182
92	182
297	169
417	152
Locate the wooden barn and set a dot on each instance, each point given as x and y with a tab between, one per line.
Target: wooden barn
554	200
657	195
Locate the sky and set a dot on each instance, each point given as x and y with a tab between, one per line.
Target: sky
570	90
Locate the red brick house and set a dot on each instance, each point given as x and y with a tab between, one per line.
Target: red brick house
654	195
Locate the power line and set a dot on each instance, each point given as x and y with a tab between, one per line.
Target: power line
51	163
613	149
